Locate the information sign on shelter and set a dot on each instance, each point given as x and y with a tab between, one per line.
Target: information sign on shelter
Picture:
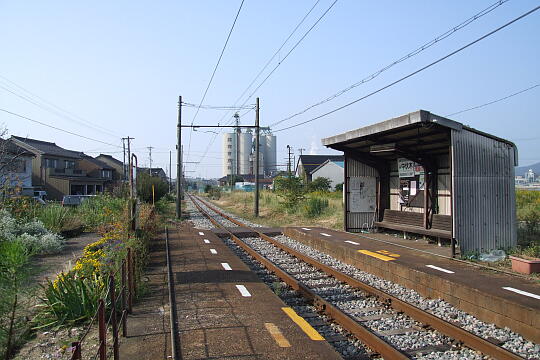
408	168
362	194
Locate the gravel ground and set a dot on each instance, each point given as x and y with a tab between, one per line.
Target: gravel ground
440	308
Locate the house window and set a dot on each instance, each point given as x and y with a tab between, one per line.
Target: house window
228	167
229	160
106	173
229	146
229	153
51	163
70	164
229	140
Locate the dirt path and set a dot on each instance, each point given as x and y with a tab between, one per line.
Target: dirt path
47	266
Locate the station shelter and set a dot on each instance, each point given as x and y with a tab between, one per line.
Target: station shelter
425	174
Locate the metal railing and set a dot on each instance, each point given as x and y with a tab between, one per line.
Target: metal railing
114	304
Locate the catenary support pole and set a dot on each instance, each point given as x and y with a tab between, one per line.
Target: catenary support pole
179	160
257	155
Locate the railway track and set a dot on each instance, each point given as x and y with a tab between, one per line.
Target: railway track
388	326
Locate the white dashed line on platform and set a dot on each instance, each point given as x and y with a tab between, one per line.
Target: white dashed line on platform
201	233
226	266
325	234
306	229
352	242
521	292
243	290
440	269
206	241
213	251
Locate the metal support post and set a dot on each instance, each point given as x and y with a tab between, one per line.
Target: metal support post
124	299
130	280
179	160
257	155
102	329
114	320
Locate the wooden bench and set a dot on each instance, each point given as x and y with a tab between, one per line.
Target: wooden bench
413	222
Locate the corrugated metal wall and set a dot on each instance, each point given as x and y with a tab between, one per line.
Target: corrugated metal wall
356	221
483	192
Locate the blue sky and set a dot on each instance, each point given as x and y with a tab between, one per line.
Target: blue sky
121	66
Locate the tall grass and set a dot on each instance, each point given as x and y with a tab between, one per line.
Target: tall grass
57	218
315	206
101	210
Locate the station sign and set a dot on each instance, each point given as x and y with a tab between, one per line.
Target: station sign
408	168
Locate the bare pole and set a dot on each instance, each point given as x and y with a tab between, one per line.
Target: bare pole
170	170
179	160
257	150
150	157
289	162
124	161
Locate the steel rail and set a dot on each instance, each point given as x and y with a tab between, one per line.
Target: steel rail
469	339
175	338
361	332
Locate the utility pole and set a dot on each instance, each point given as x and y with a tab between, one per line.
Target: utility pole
289	148
124	161
257	150
179	159
128	155
150	157
170	170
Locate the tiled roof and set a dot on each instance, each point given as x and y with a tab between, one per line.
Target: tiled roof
10	147
311	162
45	148
97	162
109	157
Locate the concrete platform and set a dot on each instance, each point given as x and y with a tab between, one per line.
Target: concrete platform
242	232
494	297
231	314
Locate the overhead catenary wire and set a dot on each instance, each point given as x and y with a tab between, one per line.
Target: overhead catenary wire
214	72
411	74
411	54
281	61
494	101
57	128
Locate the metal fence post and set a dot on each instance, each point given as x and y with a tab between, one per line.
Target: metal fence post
76	353
124	300
130	280
114	320
102	326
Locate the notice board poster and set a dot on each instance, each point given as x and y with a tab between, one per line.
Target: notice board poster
362	194
408	168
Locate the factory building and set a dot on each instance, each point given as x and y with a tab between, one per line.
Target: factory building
239	153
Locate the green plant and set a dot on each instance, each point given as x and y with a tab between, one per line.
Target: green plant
101	210
315	206
144	187
338	187
291	192
319	184
57	218
14	259
71	298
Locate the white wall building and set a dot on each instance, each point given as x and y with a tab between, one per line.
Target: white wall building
333	170
238	150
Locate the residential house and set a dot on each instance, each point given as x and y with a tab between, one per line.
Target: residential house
331	169
98	169
117	165
57	170
157	172
15	168
307	163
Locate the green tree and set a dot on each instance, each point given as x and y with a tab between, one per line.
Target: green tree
144	187
290	190
319	184
338	187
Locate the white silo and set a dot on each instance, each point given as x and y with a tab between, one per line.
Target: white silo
269	148
246	143
229	154
261	163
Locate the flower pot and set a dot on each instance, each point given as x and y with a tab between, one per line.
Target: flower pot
525	266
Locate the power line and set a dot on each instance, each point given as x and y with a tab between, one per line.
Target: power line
411	74
54	109
214	72
494	101
411	54
273	56
59	129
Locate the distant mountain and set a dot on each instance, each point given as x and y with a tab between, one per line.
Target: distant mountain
521	170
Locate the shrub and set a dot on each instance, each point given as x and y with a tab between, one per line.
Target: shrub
57	218
102	210
338	187
315	206
319	184
144	187
290	190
